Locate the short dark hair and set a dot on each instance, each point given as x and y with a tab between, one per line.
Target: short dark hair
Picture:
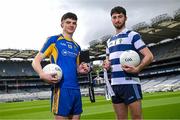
118	9
69	15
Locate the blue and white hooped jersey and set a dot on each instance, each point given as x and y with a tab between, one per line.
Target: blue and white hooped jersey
125	40
65	53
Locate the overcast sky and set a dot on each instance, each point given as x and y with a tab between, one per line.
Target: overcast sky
25	24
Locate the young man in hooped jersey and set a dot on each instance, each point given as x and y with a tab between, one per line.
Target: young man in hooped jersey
64	51
124	79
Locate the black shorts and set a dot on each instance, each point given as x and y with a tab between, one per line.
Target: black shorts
126	93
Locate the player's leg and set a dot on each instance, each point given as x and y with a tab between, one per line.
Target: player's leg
120	108
55	103
71	117
74	117
57	117
77	104
133	100
136	110
121	111
61	103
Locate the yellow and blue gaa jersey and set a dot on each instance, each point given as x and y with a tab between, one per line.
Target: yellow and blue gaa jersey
65	53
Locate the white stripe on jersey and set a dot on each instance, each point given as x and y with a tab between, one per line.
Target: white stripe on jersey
116	68
119	41
139	44
115	55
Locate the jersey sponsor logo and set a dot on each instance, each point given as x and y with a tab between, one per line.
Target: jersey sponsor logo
65	52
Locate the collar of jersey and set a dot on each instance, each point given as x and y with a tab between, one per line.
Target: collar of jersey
122	32
63	37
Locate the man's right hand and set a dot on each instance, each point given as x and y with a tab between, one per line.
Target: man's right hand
49	78
106	64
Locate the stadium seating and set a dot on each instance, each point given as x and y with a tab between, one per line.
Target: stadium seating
166	50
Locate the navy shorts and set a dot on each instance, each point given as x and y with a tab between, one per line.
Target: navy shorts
66	101
126	93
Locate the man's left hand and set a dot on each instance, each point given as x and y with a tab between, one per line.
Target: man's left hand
83	68
130	69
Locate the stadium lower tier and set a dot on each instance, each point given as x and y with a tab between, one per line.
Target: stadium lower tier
154	84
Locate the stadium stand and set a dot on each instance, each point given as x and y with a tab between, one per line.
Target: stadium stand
19	82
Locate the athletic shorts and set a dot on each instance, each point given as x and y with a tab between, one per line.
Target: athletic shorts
126	93
66	101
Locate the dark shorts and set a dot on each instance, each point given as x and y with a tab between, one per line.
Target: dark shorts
126	93
66	101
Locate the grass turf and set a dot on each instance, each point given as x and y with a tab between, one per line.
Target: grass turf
163	105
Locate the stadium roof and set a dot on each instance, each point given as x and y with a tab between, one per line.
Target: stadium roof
162	27
14	53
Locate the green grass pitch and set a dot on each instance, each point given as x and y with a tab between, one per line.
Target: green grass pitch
163	105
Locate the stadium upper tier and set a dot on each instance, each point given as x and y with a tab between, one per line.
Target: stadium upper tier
14	53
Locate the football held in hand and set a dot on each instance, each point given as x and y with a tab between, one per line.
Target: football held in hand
53	69
130	58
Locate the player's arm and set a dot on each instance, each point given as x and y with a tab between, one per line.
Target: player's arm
36	64
147	59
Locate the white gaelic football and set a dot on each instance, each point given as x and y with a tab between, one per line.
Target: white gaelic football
130	58
53	68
